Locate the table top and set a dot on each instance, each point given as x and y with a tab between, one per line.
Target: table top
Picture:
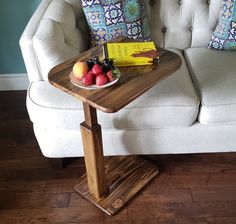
133	82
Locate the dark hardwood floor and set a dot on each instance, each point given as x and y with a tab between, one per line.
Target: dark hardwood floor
191	189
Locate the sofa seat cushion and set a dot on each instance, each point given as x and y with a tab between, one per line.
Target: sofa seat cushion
214	75
171	103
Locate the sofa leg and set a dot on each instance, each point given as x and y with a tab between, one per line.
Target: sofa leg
60	163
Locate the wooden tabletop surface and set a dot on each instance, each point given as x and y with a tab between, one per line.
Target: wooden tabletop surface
133	82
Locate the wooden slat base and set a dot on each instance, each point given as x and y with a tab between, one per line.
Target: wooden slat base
125	176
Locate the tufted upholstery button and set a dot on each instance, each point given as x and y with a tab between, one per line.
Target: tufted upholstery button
163	29
180	2
208	2
191	29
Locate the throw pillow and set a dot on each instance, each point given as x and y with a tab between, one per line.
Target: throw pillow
108	19
224	36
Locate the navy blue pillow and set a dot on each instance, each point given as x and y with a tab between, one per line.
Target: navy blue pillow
108	19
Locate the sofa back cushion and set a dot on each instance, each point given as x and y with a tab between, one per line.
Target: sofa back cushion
224	37
109	19
183	23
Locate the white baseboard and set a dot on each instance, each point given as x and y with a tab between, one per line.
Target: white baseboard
14	82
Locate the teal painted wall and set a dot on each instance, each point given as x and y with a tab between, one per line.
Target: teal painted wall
14	15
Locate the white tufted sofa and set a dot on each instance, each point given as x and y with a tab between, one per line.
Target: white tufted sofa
192	111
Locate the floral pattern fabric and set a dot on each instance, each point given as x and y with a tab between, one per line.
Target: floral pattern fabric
224	36
108	19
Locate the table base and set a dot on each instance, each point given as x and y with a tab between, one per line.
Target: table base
125	176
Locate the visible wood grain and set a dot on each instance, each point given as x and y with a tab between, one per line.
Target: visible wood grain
195	163
93	155
90	115
93	152
214	194
163	195
125	176
188	181
52	215
179	174
134	81
222	180
33	200
175	210
23	163
221	220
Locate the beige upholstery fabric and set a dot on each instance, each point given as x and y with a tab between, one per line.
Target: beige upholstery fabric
58	31
172	103
183	23
197	138
214	75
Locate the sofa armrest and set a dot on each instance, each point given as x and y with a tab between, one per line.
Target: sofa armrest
56	32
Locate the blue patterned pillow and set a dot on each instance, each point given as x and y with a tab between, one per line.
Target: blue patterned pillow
108	19
224	36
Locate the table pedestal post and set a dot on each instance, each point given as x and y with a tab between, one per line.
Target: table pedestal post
93	152
93	155
110	184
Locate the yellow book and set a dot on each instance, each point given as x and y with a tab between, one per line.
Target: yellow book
132	53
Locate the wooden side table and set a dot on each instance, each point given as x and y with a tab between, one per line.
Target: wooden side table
109	183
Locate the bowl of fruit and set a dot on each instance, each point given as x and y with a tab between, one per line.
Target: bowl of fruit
94	73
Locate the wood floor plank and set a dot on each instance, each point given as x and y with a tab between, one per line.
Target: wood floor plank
52	215
155	194
145	212
19	152
60	186
121	218
77	201
209	163
221	220
23	163
189	180
194	188
14	187
188	210
26	174
222	180
214	194
45	173
7	142
33	200
199	167
204	209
